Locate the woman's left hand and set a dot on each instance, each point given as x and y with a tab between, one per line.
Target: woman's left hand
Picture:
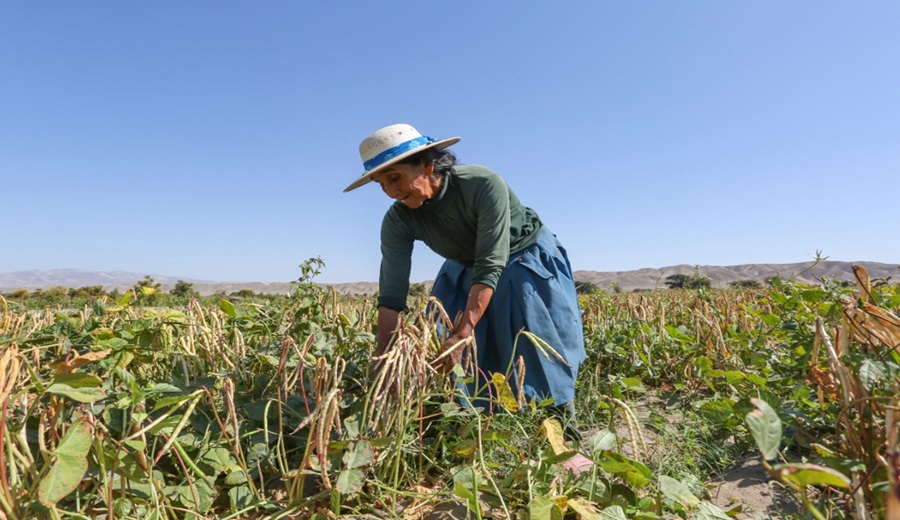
452	351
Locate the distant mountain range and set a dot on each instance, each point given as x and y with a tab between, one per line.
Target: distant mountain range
649	278
806	272
78	278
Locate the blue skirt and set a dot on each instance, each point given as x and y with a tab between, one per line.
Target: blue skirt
536	293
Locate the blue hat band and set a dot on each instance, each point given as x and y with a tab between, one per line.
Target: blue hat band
396	151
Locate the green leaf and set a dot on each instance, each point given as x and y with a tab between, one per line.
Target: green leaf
166	426
704	364
68	465
360	454
597	489
214	460
770	319
236	478
136	445
465	482
640	467
272	360
733	376
718	411
163	388
679	334
636	479
497	435
350	481
765	426
240	498
257	452
824	451
103	333
171	315
632	472
76	442
633	383
114	344
551	458
122	507
613	513
677	491
707	511
464	448
544	508
603	440
82	395
871	373
802	475
206	494
125	299
228	308
756	379
844	465
170	401
615	467
351	426
585	509
77	380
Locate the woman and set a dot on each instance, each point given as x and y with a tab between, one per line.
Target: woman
504	270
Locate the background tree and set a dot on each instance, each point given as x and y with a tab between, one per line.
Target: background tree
147	290
699	281
745	284
149	282
91	291
683	281
183	289
51	296
586	287
677	281
19	294
418	289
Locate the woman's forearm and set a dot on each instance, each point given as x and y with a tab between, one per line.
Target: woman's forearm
479	298
388	320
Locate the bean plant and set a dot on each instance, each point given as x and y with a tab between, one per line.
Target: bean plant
277	408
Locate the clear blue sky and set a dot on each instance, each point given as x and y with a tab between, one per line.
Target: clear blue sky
212	139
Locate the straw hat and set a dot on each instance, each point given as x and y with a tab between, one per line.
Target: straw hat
390	145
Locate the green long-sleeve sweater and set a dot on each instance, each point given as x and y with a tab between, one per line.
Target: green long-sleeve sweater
475	219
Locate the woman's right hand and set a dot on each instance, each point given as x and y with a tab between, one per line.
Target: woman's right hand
452	350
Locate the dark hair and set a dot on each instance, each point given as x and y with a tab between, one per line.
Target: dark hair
444	160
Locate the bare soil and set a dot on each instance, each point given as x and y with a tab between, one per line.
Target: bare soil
747	485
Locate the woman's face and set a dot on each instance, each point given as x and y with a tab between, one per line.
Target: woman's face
411	184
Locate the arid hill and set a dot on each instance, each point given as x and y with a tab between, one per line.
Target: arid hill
649	278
